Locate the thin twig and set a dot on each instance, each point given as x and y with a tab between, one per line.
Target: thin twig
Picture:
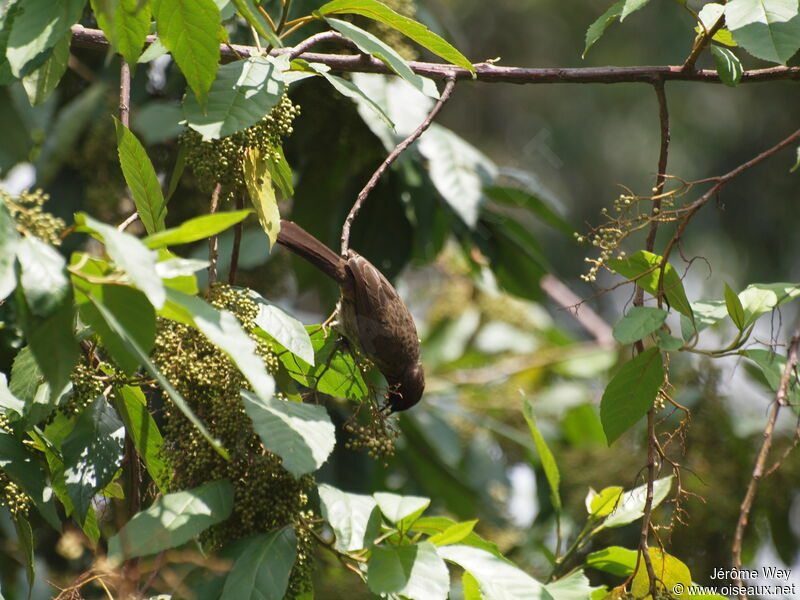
401	147
213	241
487	72
131	218
319	38
761	458
125	93
701	43
287	5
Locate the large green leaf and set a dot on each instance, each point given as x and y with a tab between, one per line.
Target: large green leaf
198	228
131	256
614	559
243	93
126	24
416	31
262	568
672	574
631	393
767	29
173	520
354	518
638	323
415	571
497	578
92	453
141	179
642	267
370	44
9	242
44	279
301	434
40	83
26	377
397	508
144	432
283	328
190	30
596	29
545	455
631	505
760	298
729	68
38	28
437	527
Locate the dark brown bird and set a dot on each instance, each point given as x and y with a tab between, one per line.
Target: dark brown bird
371	314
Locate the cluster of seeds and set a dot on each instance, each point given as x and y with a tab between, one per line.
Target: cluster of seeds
86	387
377	437
31	219
267	496
13	498
221	160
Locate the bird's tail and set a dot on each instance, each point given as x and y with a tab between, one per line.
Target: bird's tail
306	246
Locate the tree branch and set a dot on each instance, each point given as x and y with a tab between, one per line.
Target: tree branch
487	72
362	195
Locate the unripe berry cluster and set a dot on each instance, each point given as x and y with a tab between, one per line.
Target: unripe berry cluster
31	219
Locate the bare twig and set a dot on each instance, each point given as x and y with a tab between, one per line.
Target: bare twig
487	72
701	43
401	147
761	458
124	93
319	38
213	241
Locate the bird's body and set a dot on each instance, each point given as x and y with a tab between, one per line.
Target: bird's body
371	314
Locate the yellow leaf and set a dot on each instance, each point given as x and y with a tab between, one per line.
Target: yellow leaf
262	193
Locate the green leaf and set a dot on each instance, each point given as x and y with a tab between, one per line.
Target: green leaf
92	453
706	313
370	44
735	308
604	503
131	26
134	348
40	83
596	29
536	205
415	571
173	520
223	330
354	518
190	30
767	29
9	242
9	403
631	393
144	432
44	280
141	179
262	568
636	268
25	545
131	256
640	322
26	377
37	28
253	17
574	586
158	121
408	27
198	228
301	434
497	578
545	455
631	6
12	8
283	328
670	572
614	559
334	372
243	92
631	505
23	468
709	15
772	366
42	405
470	587
258	179
454	534
458	170
582	427
155	50
281	173
729	68
434	526
760	298
668	343
397	508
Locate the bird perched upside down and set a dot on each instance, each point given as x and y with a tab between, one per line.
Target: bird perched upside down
371	314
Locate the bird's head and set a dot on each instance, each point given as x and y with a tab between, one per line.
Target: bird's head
406	390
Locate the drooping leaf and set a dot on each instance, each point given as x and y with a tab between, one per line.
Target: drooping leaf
729	68
760	298
196	229
262	568
189	29
596	29
9	242
301	434
631	393
284	328
39	84
415	571
141	179
631	505
243	92
354	518
614	559
735	307
416	31
142	429
670	572
545	455
396	507
44	279
638	323
173	520
258	179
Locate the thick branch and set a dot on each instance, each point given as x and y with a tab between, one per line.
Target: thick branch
362	195
95	39
761	458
